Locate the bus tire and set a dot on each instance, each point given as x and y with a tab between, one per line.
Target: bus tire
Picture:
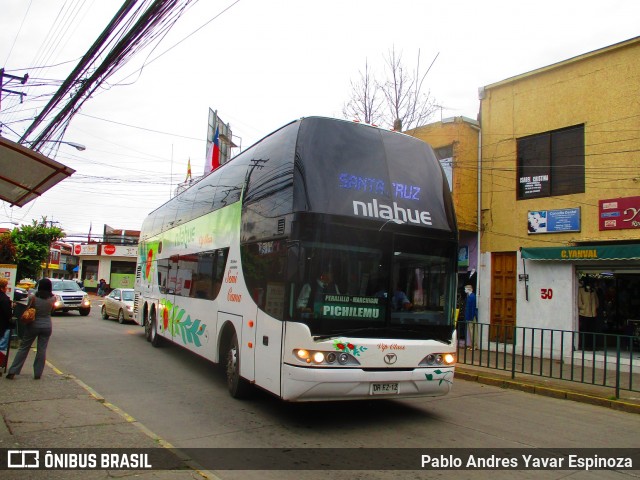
147	330
238	386
154	338
146	324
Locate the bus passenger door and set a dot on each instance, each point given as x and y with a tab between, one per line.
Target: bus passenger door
268	352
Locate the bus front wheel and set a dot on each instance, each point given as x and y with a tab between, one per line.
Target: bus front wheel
238	386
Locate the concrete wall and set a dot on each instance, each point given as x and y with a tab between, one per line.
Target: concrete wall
462	133
556	282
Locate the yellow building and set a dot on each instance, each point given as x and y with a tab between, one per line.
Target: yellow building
560	183
455	142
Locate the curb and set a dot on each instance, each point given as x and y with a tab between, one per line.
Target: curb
619	405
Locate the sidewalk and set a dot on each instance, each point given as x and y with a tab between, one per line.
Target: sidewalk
551	387
59	411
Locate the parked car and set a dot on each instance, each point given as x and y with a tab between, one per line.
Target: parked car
69	296
119	304
20	294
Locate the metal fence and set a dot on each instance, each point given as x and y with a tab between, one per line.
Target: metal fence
601	359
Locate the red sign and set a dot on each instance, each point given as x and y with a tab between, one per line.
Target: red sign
77	249
108	249
619	213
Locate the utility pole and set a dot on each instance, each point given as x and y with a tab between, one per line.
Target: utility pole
10	77
46	269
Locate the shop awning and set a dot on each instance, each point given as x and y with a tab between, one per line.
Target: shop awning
26	174
583	253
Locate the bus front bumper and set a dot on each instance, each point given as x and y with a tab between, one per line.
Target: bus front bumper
307	384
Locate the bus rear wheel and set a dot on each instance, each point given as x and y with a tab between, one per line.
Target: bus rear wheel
154	338
147	329
238	386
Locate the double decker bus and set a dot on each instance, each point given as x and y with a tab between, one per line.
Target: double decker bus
318	264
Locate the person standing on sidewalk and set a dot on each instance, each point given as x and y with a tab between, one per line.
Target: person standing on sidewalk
470	316
40	328
6	312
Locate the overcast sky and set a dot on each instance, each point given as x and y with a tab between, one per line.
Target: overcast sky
261	64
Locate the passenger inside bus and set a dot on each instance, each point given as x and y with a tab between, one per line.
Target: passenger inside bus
400	301
311	294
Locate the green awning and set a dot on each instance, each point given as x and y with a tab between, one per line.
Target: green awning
585	253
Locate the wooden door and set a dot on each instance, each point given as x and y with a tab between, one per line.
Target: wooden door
503	296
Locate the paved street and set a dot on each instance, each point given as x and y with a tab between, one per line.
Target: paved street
183	399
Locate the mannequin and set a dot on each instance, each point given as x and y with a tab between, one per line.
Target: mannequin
587	312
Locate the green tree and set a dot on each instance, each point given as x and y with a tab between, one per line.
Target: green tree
33	245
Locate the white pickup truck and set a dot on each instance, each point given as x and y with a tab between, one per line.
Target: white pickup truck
69	296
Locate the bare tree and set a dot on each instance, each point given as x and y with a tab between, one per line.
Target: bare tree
408	104
404	98
365	104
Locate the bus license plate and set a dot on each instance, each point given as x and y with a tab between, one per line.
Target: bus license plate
384	388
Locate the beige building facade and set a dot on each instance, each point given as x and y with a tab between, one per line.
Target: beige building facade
560	201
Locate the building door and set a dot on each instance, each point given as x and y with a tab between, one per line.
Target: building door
503	296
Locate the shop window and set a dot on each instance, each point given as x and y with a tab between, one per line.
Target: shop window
551	163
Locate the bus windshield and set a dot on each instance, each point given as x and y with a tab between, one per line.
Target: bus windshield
392	284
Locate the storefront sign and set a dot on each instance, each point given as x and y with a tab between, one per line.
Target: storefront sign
9	271
533	186
86	249
554	221
619	213
119	250
122	280
595	252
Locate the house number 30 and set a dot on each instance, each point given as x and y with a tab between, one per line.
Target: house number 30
546	293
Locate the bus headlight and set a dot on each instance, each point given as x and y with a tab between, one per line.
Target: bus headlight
318	357
438	359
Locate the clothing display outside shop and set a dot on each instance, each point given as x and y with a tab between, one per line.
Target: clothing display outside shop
587	313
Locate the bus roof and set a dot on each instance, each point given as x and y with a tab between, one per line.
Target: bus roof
335	167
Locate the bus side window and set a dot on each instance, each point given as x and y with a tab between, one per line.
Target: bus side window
220	263
163	273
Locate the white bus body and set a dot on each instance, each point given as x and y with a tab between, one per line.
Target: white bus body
222	266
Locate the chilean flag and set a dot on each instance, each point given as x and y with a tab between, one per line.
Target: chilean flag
215	154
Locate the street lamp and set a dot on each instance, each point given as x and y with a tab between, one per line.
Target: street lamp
75	145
